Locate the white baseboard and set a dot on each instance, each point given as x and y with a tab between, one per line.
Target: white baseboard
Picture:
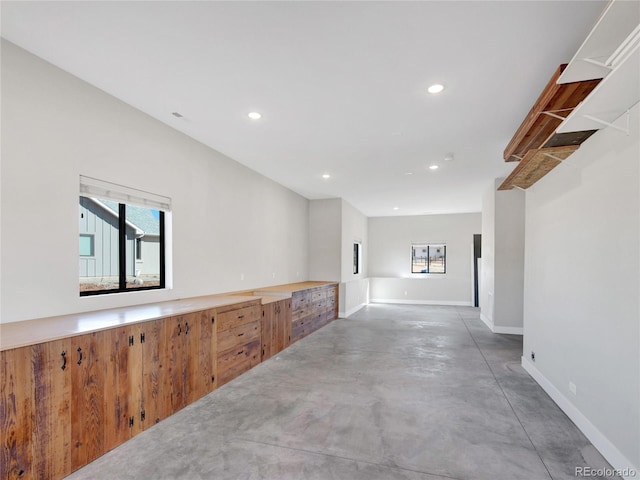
498	329
421	302
351	311
608	450
488	322
508	330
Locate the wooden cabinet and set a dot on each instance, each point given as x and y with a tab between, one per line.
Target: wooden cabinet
312	309
276	327
52	407
16	410
66	402
239	344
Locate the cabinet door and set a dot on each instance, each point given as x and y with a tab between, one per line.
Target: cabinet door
282	325
198	350
176	361
156	374
123	385
16	410
87	398
52	369
267	330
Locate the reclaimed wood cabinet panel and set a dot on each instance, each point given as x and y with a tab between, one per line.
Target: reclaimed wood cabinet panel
51	438
276	327
312	309
238	339
156	379
235	361
238	335
87	398
200	352
123	385
16	411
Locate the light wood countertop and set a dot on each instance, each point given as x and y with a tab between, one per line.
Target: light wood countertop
31	332
287	289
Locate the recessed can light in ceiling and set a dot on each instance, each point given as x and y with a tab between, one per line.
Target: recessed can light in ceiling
435	88
396	208
408	173
433	167
254	115
326	175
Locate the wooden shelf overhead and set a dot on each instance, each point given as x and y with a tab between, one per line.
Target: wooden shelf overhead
535	165
556	102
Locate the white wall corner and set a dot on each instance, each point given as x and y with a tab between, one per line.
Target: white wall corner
508	330
488	322
608	450
351	311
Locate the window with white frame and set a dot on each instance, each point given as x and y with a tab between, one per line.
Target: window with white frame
428	258
116	224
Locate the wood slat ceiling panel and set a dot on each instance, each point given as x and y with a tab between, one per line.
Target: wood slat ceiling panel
535	165
538	127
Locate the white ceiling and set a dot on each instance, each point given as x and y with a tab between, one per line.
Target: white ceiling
341	85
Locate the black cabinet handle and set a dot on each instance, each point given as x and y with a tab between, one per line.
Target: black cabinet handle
179	329
240	316
186	329
240	352
240	334
64	360
79	355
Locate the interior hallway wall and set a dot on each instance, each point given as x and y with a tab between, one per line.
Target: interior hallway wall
390	274
56	127
502	278
582	289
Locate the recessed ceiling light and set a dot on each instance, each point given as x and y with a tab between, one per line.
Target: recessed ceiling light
433	167
326	175
436	88
254	116
408	173
396	208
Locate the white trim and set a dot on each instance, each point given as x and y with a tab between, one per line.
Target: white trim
501	330
508	330
603	444
422	302
351	311
488	322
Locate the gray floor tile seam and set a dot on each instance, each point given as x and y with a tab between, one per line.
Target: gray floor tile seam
341	457
464	321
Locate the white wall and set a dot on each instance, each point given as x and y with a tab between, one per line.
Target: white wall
325	239
502	279
354	292
487	261
582	289
56	127
390	275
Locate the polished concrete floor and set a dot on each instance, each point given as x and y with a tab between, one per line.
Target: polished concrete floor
394	392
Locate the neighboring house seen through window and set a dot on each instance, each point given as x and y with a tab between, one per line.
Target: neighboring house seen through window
113	234
428	258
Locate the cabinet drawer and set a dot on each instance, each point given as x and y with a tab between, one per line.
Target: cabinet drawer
238	336
232	318
235	361
318	295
